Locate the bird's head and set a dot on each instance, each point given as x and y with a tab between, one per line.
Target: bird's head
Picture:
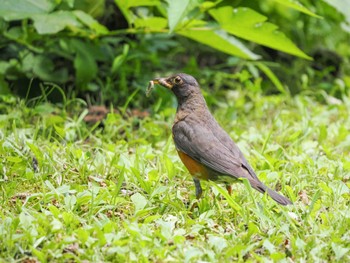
182	85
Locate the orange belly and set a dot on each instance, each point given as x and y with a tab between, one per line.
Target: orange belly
195	168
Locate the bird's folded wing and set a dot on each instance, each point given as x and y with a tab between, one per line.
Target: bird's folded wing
203	146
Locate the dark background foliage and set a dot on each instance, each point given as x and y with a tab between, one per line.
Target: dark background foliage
106	51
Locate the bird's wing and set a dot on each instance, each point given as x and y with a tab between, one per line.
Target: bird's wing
202	145
226	140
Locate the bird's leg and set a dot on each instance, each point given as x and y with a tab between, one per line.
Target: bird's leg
199	190
229	189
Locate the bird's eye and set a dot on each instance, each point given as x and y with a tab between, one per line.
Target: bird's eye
177	80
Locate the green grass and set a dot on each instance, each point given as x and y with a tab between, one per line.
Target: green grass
121	194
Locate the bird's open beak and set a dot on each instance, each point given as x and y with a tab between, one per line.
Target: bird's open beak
164	82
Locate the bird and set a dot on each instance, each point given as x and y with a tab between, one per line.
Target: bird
203	146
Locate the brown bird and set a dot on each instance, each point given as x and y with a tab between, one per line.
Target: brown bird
204	147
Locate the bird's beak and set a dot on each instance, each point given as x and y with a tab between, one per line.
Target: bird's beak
165	82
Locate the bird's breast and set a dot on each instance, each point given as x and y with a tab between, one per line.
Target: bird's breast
195	168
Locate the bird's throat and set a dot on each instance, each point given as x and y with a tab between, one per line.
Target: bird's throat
191	102
191	106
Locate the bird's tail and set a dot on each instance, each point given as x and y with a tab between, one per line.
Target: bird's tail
257	185
278	198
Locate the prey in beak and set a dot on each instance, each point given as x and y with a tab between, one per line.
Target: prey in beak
165	82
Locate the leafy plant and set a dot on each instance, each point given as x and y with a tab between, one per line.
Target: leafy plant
189	18
324	39
73	42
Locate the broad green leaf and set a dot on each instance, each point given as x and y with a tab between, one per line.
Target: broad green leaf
89	21
269	246
124	6
220	41
192	253
56	224
82	234
4	87
167	226
70	201
176	11
84	63
339	251
206	5
14	159
41	256
52	120
26	220
139	201
54	211
55	22
68	218
70	3
343	7
85	66
46	109
4	66
60	131
296	5
153	23
44	68
94	8
21	9
119	60
250	25
133	3
274	79
218	243
339	187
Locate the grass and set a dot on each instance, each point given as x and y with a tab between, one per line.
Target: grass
75	193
